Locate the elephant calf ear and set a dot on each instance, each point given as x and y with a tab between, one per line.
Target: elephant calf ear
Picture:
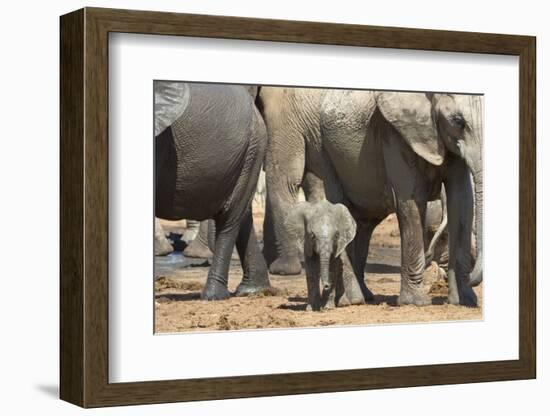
411	115
346	228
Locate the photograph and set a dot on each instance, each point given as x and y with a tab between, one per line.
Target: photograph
298	207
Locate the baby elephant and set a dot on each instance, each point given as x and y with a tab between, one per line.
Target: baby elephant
325	230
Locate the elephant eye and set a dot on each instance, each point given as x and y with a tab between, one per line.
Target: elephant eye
458	120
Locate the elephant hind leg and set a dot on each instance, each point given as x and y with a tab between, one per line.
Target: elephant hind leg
215	287
255	277
237	215
358	252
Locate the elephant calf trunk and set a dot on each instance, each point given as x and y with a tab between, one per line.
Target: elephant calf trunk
325	272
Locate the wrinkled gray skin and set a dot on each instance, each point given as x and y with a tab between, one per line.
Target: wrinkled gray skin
293	160
389	152
200	246
208	156
437	235
163	246
324	230
292	120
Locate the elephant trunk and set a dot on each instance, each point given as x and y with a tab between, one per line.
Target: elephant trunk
476	276
324	270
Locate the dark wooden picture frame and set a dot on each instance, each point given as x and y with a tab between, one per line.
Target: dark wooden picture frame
84	207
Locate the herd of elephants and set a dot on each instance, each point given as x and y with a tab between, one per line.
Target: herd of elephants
358	156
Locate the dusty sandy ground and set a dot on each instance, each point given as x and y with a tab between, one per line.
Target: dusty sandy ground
179	308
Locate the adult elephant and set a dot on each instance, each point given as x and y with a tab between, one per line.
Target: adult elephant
209	148
389	152
292	162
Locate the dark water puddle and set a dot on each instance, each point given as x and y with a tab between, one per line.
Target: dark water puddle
165	265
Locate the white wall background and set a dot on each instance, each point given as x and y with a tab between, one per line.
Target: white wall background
29	159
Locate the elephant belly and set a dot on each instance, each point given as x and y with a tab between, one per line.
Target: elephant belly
359	165
197	187
201	156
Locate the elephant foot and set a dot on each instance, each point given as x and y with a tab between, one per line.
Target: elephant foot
343	301
465	296
214	290
286	266
248	288
413	296
367	294
313	308
356	298
163	247
328	306
197	249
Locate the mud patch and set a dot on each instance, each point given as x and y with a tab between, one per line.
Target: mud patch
164	283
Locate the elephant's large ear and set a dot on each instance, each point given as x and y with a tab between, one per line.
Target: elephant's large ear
295	222
411	115
346	228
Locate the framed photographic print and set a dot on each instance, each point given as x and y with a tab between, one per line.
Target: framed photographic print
255	207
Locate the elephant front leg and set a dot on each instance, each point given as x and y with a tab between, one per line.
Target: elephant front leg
255	277
412	254
215	287
284	171
460	216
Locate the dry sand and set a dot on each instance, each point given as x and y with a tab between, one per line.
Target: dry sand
179	308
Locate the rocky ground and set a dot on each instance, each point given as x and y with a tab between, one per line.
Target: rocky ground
179	280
